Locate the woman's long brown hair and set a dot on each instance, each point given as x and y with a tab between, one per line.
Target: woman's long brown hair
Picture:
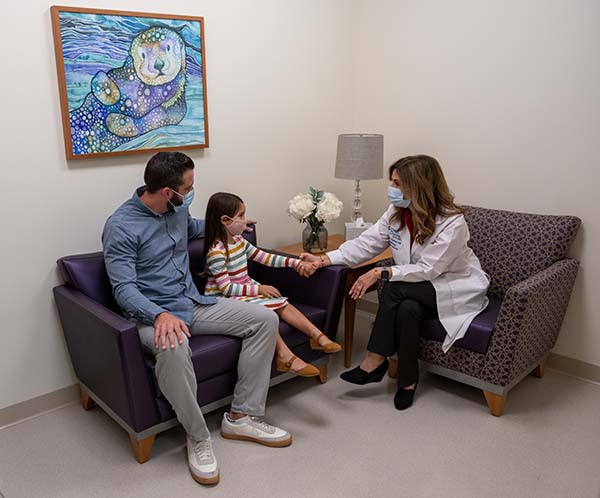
426	187
219	204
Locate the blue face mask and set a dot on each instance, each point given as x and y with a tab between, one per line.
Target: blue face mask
396	197
187	200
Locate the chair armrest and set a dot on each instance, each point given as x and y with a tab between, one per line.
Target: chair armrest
529	321
107	356
324	289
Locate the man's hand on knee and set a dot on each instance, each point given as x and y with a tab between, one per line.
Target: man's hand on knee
167	325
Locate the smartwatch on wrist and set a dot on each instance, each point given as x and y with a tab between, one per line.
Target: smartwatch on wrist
385	275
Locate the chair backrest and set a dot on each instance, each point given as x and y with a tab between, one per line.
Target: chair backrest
87	272
514	246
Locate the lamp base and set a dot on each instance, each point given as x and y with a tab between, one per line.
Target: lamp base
352	231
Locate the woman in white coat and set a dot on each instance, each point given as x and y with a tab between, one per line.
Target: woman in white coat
435	275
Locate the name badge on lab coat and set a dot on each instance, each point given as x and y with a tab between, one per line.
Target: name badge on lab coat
395	238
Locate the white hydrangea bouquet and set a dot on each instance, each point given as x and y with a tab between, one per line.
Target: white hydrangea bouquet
315	209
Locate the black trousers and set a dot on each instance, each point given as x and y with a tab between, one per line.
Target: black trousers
402	308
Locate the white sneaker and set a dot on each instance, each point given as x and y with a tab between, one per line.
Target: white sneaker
202	461
255	429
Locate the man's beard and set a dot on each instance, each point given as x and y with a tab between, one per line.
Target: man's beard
174	201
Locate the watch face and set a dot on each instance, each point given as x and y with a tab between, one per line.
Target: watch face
385	275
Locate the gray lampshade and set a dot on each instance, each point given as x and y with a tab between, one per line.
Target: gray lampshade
359	156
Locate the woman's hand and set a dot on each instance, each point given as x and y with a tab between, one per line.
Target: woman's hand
306	257
268	291
319	261
306	269
363	283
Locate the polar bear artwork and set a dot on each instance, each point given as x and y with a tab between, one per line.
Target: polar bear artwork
147	92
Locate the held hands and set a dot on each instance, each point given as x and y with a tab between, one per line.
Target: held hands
311	263
363	283
359	288
268	291
167	325
306	269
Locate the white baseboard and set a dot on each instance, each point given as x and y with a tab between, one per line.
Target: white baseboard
580	369
35	407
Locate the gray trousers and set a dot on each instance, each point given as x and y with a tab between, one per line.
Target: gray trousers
255	325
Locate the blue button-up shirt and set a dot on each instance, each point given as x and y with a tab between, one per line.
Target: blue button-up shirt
147	261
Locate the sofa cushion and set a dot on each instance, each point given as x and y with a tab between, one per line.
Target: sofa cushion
478	335
213	355
293	337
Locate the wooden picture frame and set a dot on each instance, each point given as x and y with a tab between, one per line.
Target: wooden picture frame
130	82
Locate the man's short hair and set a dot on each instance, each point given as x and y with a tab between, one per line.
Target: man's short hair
166	169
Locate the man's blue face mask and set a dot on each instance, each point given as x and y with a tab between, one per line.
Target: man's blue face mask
187	200
396	197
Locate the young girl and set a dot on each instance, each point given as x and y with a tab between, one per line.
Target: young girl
227	254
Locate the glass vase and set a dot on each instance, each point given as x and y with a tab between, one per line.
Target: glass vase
314	238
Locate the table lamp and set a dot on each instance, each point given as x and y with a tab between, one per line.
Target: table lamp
359	157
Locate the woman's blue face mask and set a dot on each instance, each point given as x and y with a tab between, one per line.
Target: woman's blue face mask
396	197
187	200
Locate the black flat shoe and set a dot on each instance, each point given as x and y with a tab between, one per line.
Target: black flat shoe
404	397
359	376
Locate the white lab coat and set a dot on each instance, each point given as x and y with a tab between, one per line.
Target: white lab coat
444	259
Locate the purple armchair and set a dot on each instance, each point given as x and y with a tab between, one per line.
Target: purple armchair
531	282
116	372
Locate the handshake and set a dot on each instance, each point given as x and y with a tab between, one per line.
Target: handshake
309	263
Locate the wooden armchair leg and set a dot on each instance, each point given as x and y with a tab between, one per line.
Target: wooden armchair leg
86	402
539	370
495	403
141	448
322	378
393	369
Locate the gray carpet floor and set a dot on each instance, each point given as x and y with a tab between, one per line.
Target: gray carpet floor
348	442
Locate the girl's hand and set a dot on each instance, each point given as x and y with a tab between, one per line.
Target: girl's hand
306	269
268	291
363	283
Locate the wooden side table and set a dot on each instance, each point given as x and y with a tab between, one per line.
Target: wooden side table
334	241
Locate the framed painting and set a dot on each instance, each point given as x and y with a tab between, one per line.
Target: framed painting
129	82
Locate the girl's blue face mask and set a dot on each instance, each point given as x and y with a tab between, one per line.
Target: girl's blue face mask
187	200
396	197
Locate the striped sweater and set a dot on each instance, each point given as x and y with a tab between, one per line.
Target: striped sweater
229	276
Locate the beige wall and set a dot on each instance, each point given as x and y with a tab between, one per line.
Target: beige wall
507	96
278	94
